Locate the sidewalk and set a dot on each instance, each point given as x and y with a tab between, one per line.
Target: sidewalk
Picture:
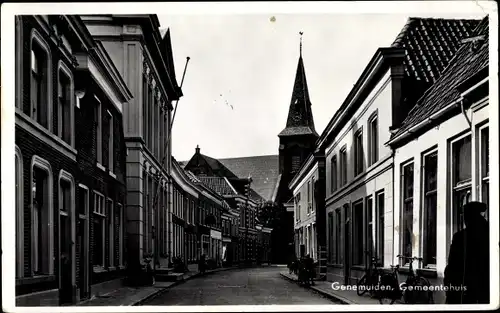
344	296
133	296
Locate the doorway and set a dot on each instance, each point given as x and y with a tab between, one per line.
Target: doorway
82	241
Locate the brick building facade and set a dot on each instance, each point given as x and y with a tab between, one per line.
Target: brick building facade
70	161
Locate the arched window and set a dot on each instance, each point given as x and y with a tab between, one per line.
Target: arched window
40	78
65	108
42	226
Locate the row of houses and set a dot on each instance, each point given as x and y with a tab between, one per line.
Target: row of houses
405	151
97	189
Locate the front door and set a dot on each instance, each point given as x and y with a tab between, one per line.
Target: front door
82	242
347	244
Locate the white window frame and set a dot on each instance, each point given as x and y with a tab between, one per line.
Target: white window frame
363	228
70	213
63	68
44	165
334	174
403	201
313	179
484	178
424	193
101	213
373	139
42	44
20	214
99	133
458	186
380	227
343	166
111	164
358	153
308	197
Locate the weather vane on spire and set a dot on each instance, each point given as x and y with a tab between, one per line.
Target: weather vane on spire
301	33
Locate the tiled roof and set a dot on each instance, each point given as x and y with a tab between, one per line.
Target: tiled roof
430	44
264	171
192	177
218	184
465	63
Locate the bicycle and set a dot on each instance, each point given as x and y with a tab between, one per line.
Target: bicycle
414	290
370	279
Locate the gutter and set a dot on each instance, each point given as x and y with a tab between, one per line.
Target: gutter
426	122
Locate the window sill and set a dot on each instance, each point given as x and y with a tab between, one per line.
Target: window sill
358	267
112	268
99	269
35	280
35	128
427	272
101	167
335	265
112	174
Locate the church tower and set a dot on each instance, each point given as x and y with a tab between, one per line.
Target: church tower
298	138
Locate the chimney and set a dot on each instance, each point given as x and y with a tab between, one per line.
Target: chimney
197	149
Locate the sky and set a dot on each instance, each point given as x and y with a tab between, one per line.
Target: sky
249	62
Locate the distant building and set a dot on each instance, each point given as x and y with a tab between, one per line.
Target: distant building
442	158
238	193
359	166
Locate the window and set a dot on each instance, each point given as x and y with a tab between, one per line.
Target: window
358	247
313	181
331	239
295	163
358	153
407	214
151	114
42	218
65	105
343	166
98	122
461	178
111	150
297	207
39	84
145	114
373	140
380	213
338	235
19	214
369	228
429	224
333	182
308	197
110	231
485	167
99	230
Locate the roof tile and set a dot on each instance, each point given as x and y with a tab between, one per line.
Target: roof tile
465	63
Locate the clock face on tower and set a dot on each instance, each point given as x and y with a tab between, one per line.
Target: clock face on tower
296	117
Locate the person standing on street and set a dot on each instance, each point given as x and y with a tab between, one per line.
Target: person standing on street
467	273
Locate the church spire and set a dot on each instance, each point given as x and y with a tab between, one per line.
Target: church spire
300	119
301	33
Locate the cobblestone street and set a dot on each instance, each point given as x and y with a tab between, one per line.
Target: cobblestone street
240	287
